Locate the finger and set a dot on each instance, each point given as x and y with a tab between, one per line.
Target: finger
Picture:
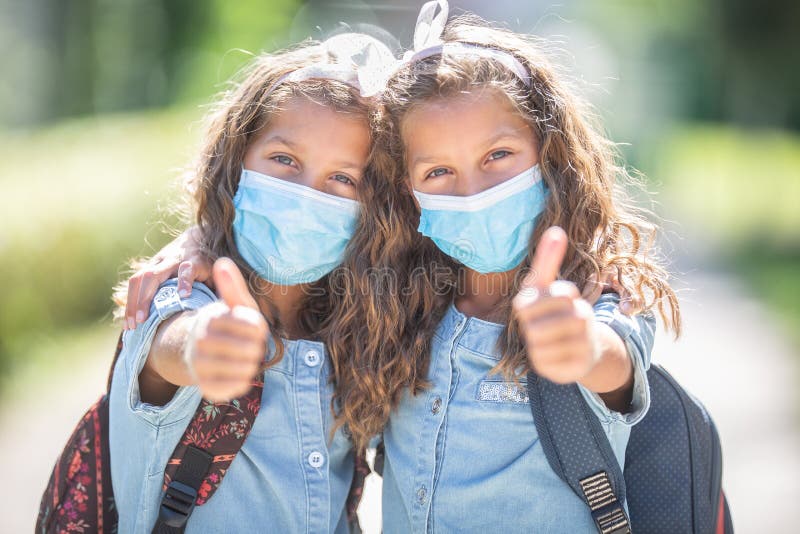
230	348
210	367
545	307
528	297
185	278
563	288
235	325
554	330
231	285
130	302
548	257
151	281
220	389
567	372
560	353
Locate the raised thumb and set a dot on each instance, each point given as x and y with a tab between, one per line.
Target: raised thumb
231	285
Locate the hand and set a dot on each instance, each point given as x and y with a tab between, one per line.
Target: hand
229	340
555	323
182	257
630	304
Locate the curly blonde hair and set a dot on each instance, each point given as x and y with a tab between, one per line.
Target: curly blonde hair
588	199
239	115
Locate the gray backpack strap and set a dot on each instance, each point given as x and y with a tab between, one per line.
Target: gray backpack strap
579	452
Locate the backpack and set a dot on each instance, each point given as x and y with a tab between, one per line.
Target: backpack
79	495
673	463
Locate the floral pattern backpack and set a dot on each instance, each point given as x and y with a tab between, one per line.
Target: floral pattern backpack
79	497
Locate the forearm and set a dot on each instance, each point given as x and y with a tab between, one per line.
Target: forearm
165	368
612	376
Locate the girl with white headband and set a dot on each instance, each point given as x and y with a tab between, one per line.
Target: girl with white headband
278	189
498	154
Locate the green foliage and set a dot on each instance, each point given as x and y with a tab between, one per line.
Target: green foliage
79	201
740	189
95	56
742	185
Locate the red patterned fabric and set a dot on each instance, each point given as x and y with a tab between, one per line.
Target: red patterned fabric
78	496
219	429
357	489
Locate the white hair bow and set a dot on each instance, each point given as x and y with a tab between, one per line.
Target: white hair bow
356	59
428	42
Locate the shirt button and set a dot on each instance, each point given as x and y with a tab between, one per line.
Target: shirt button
315	459
436	405
312	358
422	494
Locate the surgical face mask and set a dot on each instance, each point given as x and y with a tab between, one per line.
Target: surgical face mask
488	232
288	233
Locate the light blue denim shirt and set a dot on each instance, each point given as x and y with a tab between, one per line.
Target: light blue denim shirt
464	455
277	483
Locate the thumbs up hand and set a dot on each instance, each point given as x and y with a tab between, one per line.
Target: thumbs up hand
556	324
229	339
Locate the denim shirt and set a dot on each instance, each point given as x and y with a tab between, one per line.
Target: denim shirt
288	476
464	455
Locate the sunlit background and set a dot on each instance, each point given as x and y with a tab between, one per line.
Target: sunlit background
99	108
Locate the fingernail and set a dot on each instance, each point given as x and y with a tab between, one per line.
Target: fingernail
131	324
140	316
625	306
184	293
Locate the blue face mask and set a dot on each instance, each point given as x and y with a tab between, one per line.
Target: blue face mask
290	234
488	232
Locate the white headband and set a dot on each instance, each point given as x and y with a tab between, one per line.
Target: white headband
357	59
428	42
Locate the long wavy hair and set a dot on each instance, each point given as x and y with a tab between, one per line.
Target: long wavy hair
239	115
588	199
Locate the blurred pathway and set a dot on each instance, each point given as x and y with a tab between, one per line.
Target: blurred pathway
731	356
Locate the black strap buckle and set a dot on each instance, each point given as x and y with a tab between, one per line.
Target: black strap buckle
611	519
177	504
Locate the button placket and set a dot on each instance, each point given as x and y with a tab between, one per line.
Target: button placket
308	368
430	443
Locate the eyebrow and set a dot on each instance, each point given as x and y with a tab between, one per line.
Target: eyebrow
282	140
505	133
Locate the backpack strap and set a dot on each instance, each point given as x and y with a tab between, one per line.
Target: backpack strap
578	451
198	464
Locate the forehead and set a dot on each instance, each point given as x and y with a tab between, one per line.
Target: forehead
468	117
304	116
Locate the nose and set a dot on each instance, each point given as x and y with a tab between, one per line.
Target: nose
312	178
471	183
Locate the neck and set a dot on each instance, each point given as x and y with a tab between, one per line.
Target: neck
282	304
480	295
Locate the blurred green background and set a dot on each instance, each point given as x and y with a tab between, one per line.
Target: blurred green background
100	102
